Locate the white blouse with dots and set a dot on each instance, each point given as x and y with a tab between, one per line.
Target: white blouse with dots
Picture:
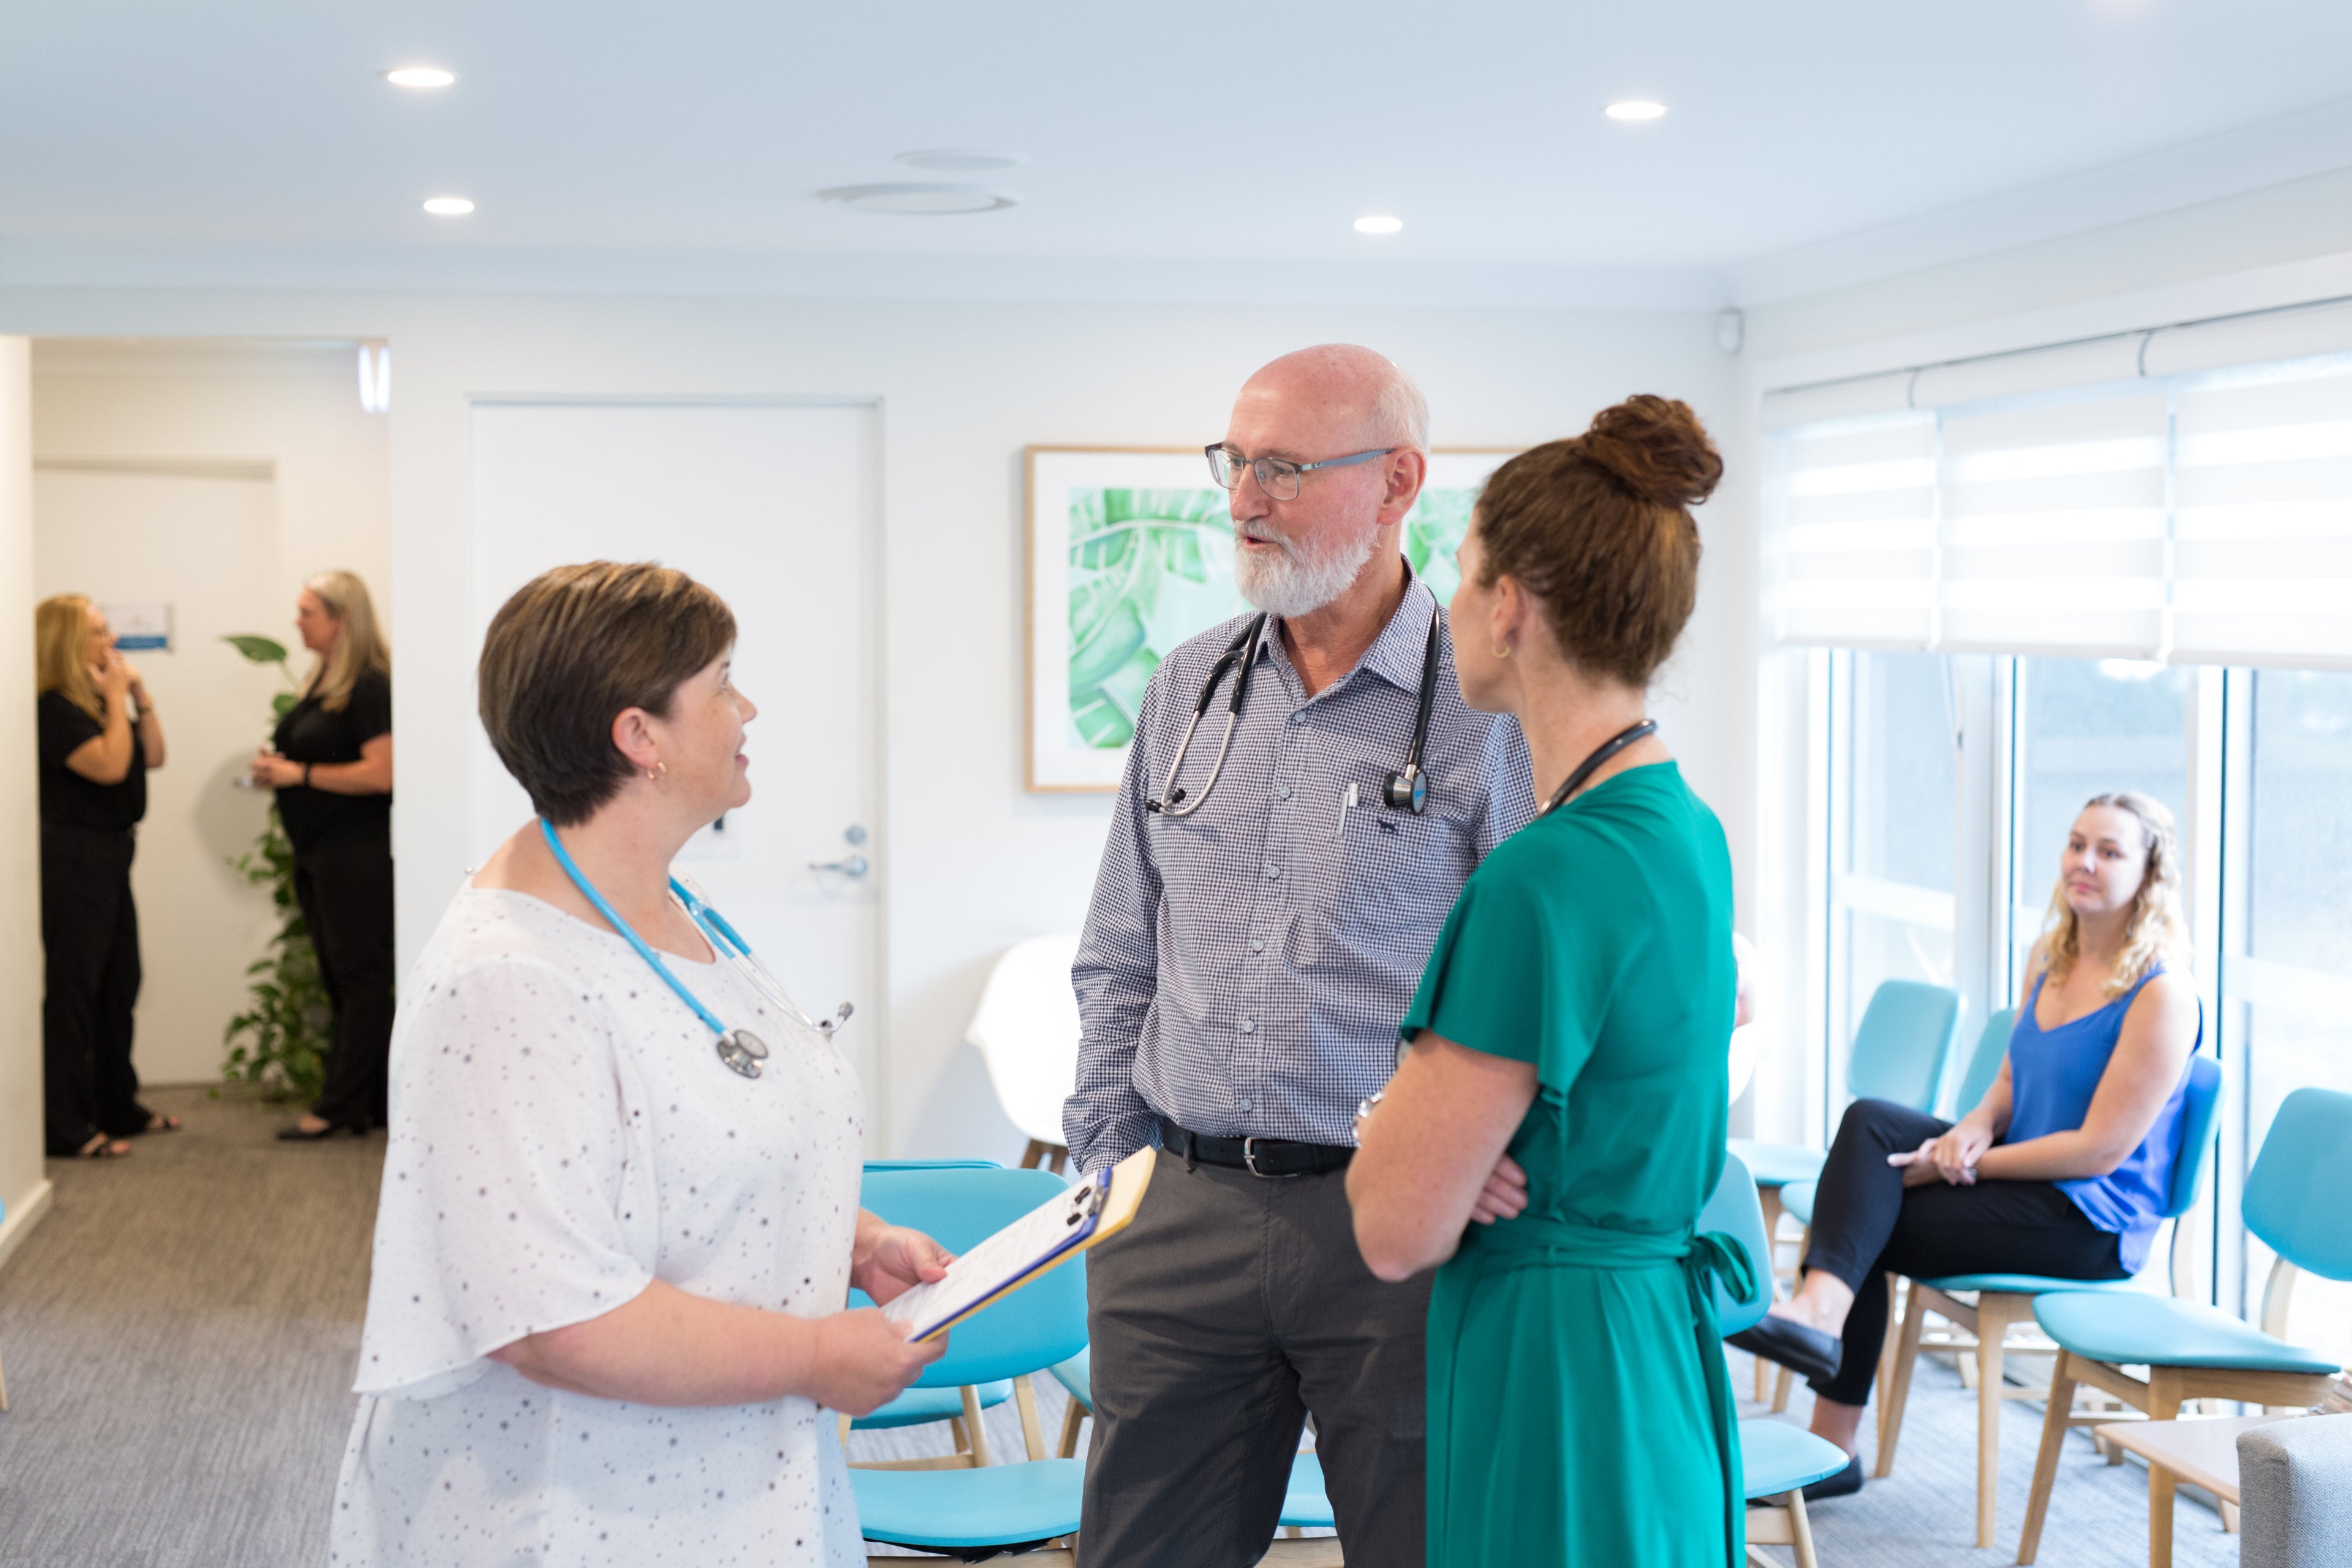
564	1133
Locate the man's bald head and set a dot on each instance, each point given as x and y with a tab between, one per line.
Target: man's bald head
1353	393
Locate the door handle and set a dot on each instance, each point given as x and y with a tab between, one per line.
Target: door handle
853	866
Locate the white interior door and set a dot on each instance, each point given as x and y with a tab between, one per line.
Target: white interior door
208	547
773	507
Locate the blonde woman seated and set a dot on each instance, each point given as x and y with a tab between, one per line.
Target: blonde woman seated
2063	1170
614	1243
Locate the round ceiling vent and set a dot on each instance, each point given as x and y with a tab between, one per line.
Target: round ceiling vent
918	200
961	160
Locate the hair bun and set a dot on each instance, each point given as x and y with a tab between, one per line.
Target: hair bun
1656	449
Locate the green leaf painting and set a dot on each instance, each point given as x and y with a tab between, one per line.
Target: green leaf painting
1149	568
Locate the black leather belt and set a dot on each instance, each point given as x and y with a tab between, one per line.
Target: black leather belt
1259	1157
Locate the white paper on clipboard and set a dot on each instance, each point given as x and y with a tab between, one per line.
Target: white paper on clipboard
1002	1260
1097	1206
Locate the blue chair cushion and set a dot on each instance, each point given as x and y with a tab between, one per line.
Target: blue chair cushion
1303	1505
2023	1284
1000	1505
1077	1375
2129	1327
1776	1457
921	1406
1797	1198
1777	1164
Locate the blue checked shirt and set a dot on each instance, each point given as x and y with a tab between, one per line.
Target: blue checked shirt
1244	969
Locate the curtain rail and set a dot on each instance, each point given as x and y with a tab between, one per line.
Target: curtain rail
2144	333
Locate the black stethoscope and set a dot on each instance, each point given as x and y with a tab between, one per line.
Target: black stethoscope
1407	789
1606	750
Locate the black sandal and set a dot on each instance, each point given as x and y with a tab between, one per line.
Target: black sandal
101	1147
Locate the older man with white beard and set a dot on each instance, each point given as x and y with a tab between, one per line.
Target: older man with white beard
1263	910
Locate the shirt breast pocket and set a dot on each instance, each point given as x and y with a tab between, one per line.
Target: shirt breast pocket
1394	875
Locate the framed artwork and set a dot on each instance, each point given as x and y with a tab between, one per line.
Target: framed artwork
1132	552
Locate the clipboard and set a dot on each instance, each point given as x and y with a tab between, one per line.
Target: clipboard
1094	1209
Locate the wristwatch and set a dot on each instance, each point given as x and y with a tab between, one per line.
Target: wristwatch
306	774
1364	1108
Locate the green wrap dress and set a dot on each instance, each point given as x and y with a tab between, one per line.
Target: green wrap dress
1580	1413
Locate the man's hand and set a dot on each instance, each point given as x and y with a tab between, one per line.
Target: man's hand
893	1259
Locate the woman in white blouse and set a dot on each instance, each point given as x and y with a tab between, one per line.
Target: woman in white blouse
614	1245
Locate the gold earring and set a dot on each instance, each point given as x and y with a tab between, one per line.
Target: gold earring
1502	650
658	771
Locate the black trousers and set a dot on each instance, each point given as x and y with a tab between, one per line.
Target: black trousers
344	887
1229	1308
1866	1223
89	929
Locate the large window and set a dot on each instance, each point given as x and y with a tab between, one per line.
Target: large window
1953	780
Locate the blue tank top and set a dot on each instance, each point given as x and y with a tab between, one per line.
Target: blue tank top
2052	1073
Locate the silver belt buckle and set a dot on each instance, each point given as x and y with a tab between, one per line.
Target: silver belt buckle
1249	1159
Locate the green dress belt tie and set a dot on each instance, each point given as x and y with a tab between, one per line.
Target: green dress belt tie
1533	1241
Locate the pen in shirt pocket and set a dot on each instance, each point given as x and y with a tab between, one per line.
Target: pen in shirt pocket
1346	804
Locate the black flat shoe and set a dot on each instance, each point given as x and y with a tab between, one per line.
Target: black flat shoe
295	1134
1806	1351
1845	1483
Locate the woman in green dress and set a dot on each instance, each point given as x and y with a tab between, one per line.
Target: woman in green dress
1566	1088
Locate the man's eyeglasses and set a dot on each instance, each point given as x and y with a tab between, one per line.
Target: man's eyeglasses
1277	477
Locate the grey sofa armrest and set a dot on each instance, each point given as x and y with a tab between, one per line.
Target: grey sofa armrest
2294	1480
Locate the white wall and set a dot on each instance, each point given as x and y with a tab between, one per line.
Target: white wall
975	862
215	476
22	1187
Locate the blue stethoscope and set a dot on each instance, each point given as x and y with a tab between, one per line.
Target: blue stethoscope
740	1049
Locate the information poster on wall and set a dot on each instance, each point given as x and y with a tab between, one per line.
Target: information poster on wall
140	629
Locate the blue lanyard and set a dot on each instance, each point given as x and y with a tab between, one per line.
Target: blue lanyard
612	916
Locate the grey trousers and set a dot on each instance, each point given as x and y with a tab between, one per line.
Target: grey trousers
1232	1307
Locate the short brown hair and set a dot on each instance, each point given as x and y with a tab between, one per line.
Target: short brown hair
572	650
1598	527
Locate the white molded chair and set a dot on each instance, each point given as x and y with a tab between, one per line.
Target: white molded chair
1026	1029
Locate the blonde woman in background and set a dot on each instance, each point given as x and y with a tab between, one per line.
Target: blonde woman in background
330	764
2061	1170
94	757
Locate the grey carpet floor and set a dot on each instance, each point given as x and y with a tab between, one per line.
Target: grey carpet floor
179	1336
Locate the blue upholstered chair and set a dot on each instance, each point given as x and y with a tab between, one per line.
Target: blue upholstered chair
976	1504
1900	1050
1778	1461
1988	1305
2292	1203
922	1406
1984	1064
1303	1505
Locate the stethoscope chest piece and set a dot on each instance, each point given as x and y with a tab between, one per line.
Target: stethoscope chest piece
743	1051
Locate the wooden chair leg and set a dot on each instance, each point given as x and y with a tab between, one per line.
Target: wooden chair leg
1033	1155
1995	1312
1801	1530
973	1424
1898	1388
1032	1437
3	1391
844	1431
1061	1158
1783	1381
1071	1420
2163	1404
1881	1377
1770	1197
2046	1463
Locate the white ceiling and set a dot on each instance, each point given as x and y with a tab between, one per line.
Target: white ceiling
687	134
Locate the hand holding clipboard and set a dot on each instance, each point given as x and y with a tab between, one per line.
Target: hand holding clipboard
1094	1209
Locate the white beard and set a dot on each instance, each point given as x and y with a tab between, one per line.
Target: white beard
1297	582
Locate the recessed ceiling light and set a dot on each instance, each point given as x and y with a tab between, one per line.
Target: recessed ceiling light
448	206
1378	222
1636	109
420	76
961	160
915	200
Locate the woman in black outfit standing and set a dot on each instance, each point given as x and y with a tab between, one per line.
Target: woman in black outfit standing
332	767
94	757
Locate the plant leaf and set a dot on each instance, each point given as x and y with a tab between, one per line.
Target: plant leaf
260	649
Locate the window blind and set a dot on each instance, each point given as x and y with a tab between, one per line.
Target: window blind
1857	529
2263	520
2175	503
